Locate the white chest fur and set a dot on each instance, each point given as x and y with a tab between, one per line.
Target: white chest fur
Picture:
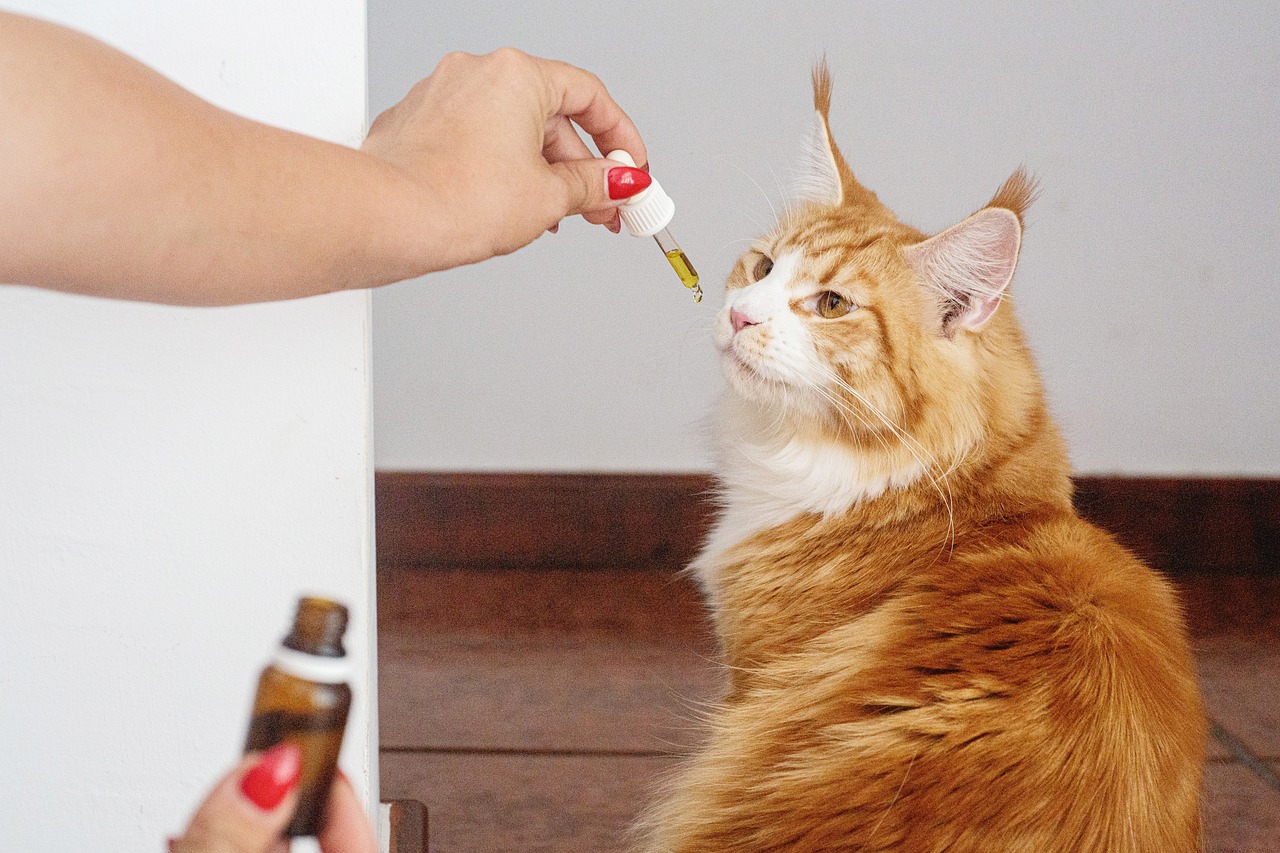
768	480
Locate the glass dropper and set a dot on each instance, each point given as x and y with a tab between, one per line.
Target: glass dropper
647	214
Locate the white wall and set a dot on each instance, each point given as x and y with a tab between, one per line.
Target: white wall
1149	275
171	479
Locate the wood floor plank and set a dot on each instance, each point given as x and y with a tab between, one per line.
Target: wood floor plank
570	661
540	695
1241	814
1240	679
528	803
1235	632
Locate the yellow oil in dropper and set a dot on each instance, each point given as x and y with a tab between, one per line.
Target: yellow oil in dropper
679	262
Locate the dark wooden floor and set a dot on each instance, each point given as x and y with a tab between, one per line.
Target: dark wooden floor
532	709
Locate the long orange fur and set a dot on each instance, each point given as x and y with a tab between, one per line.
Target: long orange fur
956	660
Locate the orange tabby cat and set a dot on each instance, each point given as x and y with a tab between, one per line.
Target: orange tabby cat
929	649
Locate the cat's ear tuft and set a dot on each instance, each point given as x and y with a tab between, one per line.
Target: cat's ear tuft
969	266
1017	193
825	176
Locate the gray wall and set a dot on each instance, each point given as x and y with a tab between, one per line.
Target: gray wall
1149	274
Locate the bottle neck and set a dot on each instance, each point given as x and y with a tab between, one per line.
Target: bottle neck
318	627
324	670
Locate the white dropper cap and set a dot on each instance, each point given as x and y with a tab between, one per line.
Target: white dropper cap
647	212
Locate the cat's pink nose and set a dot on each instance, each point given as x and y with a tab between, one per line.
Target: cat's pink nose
739	320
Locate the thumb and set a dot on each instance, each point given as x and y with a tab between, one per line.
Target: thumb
247	811
347	830
599	184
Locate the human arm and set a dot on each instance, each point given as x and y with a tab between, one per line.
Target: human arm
115	181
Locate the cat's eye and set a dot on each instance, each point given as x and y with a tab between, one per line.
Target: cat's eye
832	305
763	267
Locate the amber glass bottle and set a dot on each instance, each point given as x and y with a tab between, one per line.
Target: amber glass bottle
303	698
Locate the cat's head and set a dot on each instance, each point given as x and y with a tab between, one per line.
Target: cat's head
846	325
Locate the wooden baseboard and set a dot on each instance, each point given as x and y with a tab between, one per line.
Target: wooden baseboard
657	520
620	520
406	826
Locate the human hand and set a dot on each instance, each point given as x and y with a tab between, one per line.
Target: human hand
487	146
247	811
478	160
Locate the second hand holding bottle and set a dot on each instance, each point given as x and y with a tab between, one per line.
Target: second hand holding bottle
303	698
647	214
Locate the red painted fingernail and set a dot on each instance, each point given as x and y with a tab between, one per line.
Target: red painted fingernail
273	777
624	182
173	845
614	225
554	229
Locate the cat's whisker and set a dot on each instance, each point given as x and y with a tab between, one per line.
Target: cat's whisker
780	402
774	210
746	240
917	450
761	223
922	456
787	205
845	411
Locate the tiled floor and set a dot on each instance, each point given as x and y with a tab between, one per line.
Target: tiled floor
531	710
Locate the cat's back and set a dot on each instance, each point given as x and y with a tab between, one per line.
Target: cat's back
1069	657
1029	688
1056	586
1060	607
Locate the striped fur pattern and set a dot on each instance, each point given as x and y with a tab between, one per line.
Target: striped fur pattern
927	648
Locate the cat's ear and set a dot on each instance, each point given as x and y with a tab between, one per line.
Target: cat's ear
968	266
818	180
824	176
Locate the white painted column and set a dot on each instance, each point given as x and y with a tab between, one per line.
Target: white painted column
171	479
